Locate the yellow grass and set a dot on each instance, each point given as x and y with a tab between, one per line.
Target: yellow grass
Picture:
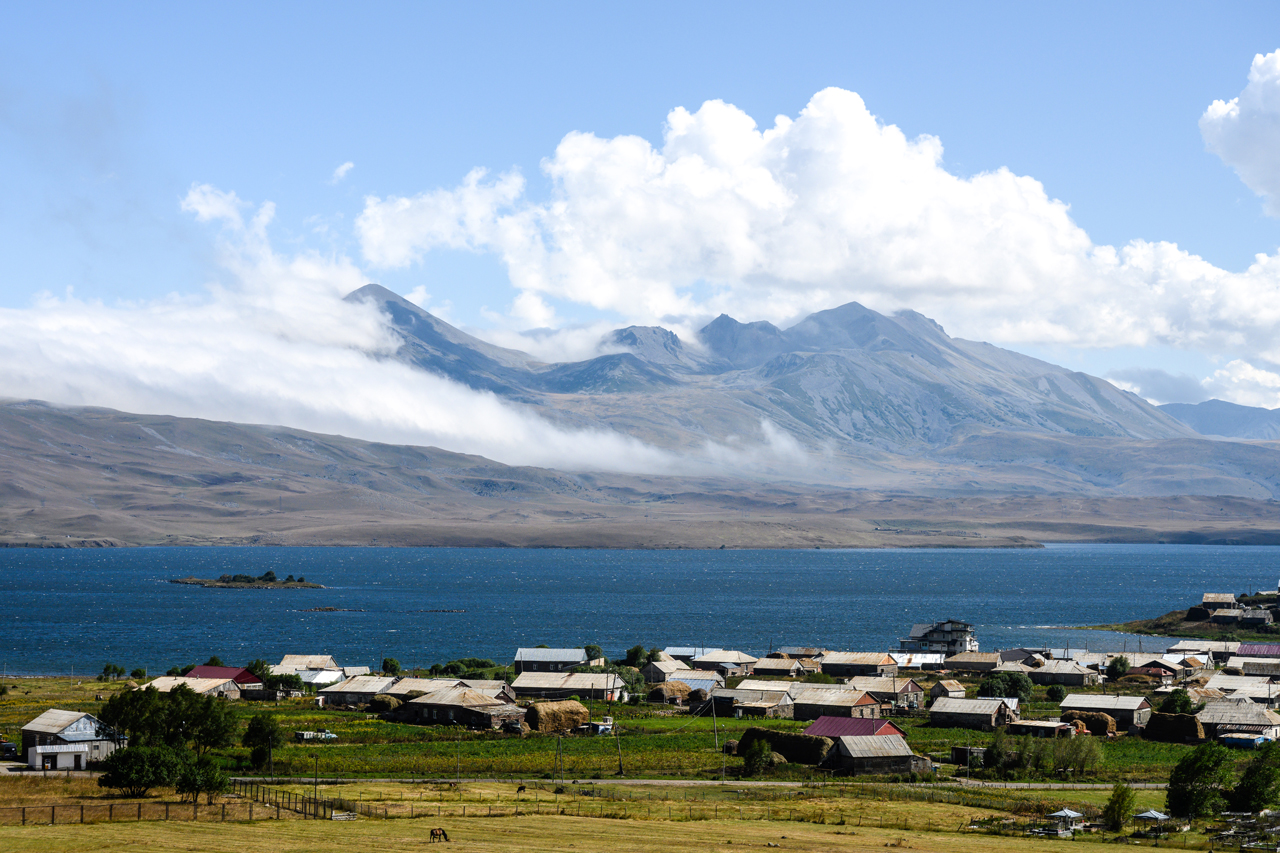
506	835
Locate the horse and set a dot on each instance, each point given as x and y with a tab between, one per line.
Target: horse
438	834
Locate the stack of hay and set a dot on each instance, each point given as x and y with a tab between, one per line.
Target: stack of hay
668	691
796	748
1096	722
556	716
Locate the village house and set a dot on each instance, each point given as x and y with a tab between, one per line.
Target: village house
1214	650
799	652
898	692
688	653
243	678
950	637
1065	672
918	660
1258	650
877	754
1125	710
658	671
727	662
811	704
973	661
981	714
1227	718
834	727
221	687
751	703
947	687
65	740
404	688
461	706
358	690
602	686
848	664
550	660
699	679
779	668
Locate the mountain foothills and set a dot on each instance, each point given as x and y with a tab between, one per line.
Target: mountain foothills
848	429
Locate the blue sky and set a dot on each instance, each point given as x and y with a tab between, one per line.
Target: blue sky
112	116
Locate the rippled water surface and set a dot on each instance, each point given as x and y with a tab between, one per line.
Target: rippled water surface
74	610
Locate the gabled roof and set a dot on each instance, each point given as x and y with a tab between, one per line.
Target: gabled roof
1088	702
1237	714
1259	650
858	659
1218	598
567	681
973	657
53	721
372	684
884	684
947	705
668	666
763	684
238	674
551	655
698	682
846	698
834	727
308	662
1063	667
754	697
165	683
802	651
463	697
873	746
726	656
688	651
776	665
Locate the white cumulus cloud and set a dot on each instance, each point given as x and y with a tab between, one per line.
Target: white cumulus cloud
341	172
1245	131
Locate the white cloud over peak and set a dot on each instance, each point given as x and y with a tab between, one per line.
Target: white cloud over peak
1245	131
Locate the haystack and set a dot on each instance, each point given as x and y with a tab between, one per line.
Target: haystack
1098	723
797	748
556	716
384	703
1174	728
669	691
697	695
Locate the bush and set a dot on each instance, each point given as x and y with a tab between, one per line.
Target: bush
390	666
201	776
755	757
1119	807
135	770
1055	693
1118	667
1008	685
1179	702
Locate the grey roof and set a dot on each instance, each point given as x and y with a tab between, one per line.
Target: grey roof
884	684
872	746
551	655
689	651
858	658
847	698
802	651
697	683
1237	714
1086	702
53	721
372	684
947	705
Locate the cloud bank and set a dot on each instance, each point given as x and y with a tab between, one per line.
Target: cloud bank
831	206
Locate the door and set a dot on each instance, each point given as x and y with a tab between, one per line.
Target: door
77	765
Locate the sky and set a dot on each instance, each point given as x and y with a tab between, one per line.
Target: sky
190	189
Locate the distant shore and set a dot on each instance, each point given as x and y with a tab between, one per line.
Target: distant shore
211	583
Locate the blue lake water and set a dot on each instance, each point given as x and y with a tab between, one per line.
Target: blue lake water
74	610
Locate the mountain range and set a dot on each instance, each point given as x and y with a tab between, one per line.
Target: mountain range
848	429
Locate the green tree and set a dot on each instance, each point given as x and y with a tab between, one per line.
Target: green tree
1119	807
998	753
756	757
1007	684
1055	693
1179	702
637	657
284	681
201	776
1117	668
593	651
1199	781
138	674
260	668
268	577
818	678
214	660
137	769
111	672
390	666
1259	785
177	719
261	737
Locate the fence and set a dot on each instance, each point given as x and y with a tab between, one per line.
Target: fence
63	813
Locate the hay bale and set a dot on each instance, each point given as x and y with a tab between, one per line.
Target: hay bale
1098	723
556	716
776	758
1173	728
796	748
698	695
669	691
730	747
384	703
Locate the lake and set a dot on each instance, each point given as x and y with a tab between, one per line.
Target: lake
73	610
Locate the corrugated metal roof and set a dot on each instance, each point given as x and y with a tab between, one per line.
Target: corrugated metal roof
1259	650
1232	683
722	656
463	697
884	684
873	746
776	665
772	686
53	721
857	658
917	660
836	727
1085	702
689	651
567	681
835	698
165	683
801	651
308	662
1238	714
947	705
373	684
697	683
236	673
551	655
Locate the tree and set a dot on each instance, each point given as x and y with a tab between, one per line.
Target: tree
390	666
637	657
284	681
213	660
1119	807
1199	781
201	776
1179	702
1259	785
818	678
756	757
268	577
260	668
137	769
1007	684
997	754
1117	668
138	674
1055	693
177	719
593	651
111	672
261	737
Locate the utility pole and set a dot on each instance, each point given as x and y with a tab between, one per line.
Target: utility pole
315	782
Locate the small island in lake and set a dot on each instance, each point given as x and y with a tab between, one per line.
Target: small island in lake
267	580
1218	616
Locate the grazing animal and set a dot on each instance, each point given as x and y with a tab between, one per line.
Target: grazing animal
438	834
520	790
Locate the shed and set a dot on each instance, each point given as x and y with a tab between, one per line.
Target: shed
656	672
877	754
778	668
66	740
1064	672
981	714
751	703
1125	710
948	688
698	679
1041	728
603	686
461	706
726	661
688	653
973	661
1234	718
357	690
812	704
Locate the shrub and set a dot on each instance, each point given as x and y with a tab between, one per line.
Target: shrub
1055	693
755	756
1007	684
1118	667
135	770
1119	807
